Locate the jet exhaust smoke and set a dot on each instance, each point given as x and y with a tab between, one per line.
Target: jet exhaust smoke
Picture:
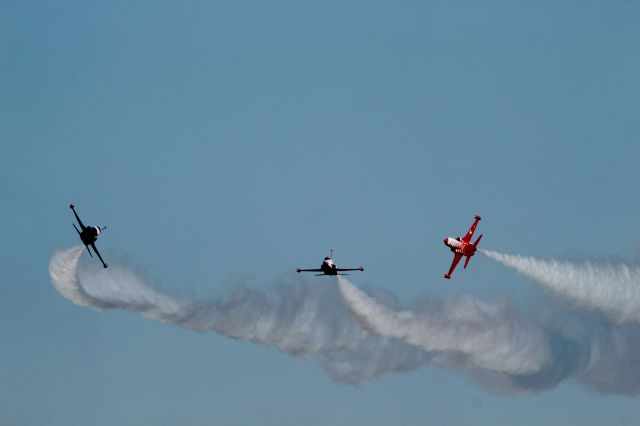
63	276
505	351
613	289
491	337
293	316
358	336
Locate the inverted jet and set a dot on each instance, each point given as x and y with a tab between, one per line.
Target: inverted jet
462	247
88	235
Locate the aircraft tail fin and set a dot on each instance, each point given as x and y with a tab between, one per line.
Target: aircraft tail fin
466	262
477	241
74	225
89	251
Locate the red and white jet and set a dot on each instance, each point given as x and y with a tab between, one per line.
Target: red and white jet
462	247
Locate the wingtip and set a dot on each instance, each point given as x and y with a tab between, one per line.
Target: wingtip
71	205
298	269
362	268
477	217
447	276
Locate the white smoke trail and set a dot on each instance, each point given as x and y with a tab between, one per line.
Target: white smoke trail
505	352
491	337
62	269
294	317
614	289
497	346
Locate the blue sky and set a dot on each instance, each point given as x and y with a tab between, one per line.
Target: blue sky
226	143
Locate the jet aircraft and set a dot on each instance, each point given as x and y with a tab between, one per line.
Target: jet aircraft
462	247
329	268
88	235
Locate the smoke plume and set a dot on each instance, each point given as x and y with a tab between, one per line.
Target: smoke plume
291	315
488	336
360	335
613	289
504	350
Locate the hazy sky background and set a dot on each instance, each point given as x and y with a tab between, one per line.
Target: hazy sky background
229	142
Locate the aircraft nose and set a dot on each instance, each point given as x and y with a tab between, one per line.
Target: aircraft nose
445	241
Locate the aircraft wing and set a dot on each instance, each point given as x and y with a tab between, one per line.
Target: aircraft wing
308	270
93	246
456	259
350	269
77	217
471	230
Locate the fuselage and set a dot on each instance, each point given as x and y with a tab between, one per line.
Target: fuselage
328	267
458	246
89	235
